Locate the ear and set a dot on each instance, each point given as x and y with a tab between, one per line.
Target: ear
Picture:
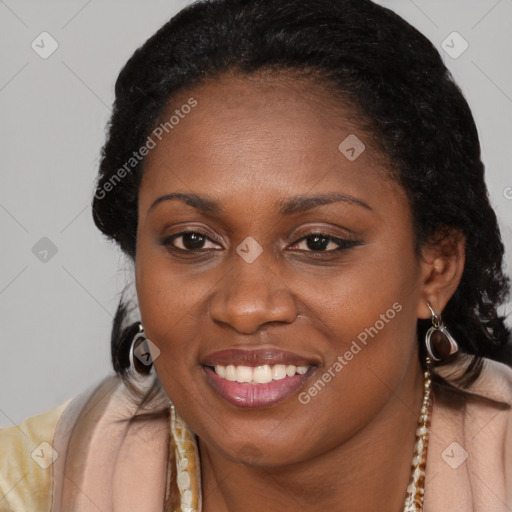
442	265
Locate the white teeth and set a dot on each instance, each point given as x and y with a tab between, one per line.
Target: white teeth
231	373
290	370
279	372
262	374
220	371
259	374
243	374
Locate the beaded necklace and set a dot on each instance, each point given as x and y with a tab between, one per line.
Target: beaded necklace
416	488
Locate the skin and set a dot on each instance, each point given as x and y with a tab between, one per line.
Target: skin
248	144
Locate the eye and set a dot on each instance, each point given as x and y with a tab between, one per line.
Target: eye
194	240
322	242
189	241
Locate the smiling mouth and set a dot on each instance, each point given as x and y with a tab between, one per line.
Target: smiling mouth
259	374
257	377
258	386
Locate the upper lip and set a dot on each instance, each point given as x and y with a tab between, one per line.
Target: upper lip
256	357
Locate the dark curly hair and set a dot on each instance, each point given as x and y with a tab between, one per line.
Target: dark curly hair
405	98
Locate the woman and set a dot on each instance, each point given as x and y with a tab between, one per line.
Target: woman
316	321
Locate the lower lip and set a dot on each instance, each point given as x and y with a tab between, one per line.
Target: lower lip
256	395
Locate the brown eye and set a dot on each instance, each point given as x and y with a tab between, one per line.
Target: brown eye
188	241
319	242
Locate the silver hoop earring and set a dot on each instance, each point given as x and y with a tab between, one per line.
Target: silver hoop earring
141	361
439	343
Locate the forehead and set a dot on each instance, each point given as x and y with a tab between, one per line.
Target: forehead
265	134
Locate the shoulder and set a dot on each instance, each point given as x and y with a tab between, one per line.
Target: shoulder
487	422
496	381
470	448
491	405
492	421
489	436
25	464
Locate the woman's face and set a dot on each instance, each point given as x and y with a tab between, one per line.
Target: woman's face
302	265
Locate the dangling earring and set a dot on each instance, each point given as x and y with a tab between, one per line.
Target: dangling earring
439	343
140	356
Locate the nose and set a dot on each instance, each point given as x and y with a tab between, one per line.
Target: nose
251	295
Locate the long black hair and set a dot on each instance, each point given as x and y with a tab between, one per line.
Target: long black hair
390	74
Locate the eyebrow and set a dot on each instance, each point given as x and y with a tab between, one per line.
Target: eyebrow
300	204
291	206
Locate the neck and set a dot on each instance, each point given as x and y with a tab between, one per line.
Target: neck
370	471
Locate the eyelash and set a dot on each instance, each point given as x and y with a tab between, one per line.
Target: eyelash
343	243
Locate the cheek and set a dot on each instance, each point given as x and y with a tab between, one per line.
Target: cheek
369	354
373	297
368	315
171	311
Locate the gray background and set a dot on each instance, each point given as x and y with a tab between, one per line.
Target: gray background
56	309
